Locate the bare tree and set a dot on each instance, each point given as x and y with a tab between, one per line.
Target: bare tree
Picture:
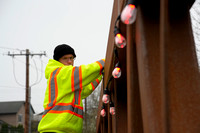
91	114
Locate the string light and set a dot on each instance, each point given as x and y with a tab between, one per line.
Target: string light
112	108
128	15
120	40
106	96
103	111
116	73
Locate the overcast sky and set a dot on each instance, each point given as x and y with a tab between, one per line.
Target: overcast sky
40	25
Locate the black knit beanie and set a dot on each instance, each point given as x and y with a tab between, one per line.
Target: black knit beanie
62	50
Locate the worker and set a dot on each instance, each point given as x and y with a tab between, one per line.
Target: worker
67	85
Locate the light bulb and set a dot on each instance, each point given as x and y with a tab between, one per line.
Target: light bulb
120	41
116	72
106	98
128	15
112	110
103	112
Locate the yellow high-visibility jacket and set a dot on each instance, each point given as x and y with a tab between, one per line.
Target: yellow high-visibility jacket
66	87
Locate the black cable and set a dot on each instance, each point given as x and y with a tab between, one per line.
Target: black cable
118	18
110	79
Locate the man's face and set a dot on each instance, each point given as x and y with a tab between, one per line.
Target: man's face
67	59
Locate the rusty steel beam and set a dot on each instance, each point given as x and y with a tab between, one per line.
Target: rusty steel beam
159	90
134	117
164	26
168	70
148	63
182	73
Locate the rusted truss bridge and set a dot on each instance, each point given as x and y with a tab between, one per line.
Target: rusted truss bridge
159	89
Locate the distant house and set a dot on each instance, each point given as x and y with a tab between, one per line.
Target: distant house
13	112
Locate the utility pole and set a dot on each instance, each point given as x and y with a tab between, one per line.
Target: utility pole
27	102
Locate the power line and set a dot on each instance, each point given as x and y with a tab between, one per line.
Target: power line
10	48
37	81
36	72
33	66
15	75
42	60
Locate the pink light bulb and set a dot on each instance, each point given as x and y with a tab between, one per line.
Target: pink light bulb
128	15
112	110
106	98
120	41
103	113
116	72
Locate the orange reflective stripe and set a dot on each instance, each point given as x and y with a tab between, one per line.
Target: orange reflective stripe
66	111
95	84
58	112
97	80
81	116
50	88
72	79
47	108
72	83
80	77
53	87
65	108
65	104
92	86
101	64
80	84
79	107
56	86
76	84
61	104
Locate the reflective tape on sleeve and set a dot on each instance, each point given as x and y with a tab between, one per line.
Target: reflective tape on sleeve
95	84
101	64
